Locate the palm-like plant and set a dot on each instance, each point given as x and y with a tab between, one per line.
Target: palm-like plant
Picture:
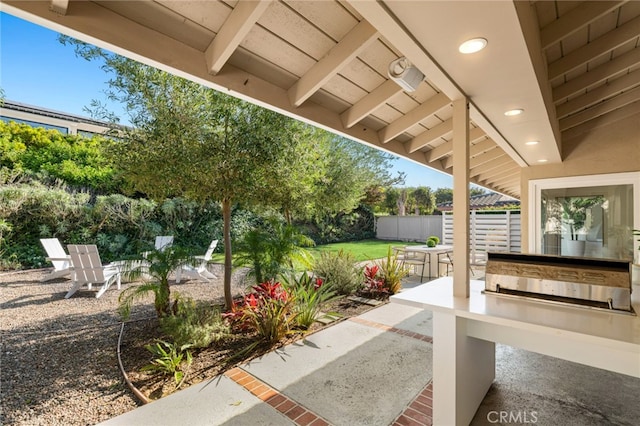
158	265
273	250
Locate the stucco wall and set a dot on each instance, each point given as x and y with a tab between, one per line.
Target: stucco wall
610	149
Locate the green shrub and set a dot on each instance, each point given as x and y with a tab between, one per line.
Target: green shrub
433	241
169	359
310	294
339	271
196	324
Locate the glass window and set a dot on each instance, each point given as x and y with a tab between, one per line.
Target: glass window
61	129
585	216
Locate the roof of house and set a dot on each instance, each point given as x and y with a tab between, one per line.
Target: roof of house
483	201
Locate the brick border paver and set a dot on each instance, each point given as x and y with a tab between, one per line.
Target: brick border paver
420	411
285	405
385	327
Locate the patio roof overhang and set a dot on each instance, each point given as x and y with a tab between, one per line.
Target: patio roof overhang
569	66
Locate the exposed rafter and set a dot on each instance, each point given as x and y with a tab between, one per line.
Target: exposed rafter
576	19
597	75
413	117
447	148
602	120
475	150
237	26
425	138
485	178
596	48
595	96
491	165
600	109
59	6
358	39
370	103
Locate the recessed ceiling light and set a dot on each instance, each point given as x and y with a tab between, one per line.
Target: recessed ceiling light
513	112
472	46
532	143
542	160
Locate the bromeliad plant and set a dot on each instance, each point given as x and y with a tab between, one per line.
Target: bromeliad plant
392	271
268	311
373	281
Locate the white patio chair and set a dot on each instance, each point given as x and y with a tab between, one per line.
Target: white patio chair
57	256
88	269
200	270
163	241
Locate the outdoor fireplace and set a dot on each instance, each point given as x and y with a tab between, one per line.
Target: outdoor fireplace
586	282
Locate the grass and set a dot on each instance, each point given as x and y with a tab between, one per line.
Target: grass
364	249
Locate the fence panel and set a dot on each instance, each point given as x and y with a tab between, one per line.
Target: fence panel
408	228
491	230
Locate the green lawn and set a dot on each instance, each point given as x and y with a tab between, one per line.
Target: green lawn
363	250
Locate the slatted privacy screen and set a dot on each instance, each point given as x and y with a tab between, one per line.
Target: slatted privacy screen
489	230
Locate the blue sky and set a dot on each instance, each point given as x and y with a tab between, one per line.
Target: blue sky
38	70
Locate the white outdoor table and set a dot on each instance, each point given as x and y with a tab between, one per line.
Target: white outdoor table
465	331
432	252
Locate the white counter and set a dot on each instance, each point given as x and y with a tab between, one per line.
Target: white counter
465	331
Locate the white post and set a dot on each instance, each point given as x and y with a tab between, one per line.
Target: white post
461	197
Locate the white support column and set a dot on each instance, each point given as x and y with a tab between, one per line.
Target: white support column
463	370
461	197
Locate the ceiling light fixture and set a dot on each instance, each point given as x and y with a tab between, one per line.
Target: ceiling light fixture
532	143
472	46
513	112
405	75
542	160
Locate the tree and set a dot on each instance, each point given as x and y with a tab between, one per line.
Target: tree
425	200
189	140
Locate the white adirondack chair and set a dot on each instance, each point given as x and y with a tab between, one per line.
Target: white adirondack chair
200	270
88	269
57	256
163	241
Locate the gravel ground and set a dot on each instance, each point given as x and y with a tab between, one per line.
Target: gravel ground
58	361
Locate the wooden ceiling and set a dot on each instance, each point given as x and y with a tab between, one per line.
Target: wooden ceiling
571	65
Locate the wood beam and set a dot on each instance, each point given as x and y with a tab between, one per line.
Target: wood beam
595	48
592	97
461	164
597	75
425	138
485	158
491	165
413	117
243	17
575	20
59	6
477	149
358	39
505	180
600	109
365	106
447	147
498	173
603	120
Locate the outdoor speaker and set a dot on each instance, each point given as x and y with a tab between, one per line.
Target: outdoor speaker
406	75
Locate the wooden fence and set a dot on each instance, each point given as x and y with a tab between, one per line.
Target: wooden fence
490	230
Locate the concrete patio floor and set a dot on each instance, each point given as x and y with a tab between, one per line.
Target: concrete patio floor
375	369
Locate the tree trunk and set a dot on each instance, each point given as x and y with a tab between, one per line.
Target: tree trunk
226	218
